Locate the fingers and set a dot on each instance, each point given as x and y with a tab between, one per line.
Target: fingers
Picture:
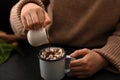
24	22
80	73
82	76
34	17
28	21
47	20
39	19
77	62
33	20
80	52
76	69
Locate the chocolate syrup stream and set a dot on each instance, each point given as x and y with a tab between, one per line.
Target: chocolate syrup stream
49	44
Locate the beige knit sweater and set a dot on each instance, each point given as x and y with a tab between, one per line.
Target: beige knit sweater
82	23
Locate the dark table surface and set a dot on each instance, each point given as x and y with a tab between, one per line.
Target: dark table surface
26	67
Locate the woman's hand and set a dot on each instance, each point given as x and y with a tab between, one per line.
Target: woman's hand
89	64
33	17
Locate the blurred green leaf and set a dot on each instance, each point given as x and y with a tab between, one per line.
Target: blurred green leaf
5	50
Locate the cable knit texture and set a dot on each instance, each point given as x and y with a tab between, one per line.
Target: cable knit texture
111	51
81	23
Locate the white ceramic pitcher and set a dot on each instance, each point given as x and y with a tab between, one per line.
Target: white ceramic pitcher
37	37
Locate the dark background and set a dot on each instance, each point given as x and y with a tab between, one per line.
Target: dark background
5	7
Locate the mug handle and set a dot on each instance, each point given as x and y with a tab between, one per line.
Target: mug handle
68	58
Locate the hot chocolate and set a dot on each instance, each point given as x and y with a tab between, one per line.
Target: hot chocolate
52	53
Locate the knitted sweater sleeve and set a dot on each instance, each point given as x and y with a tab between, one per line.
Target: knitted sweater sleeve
111	51
15	19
